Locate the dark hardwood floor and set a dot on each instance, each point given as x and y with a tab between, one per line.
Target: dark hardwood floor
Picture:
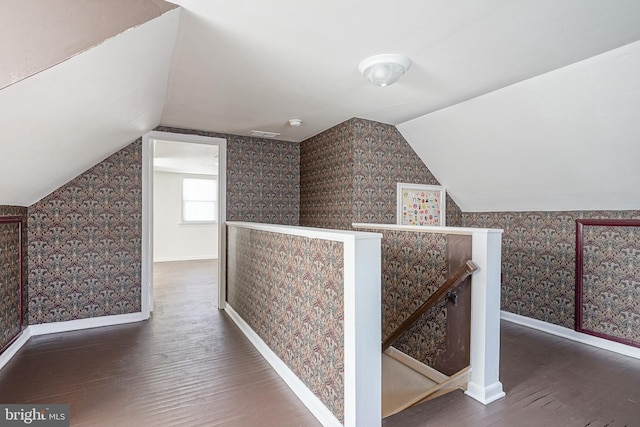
191	366
549	381
187	366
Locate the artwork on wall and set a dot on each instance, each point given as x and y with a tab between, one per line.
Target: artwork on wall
420	204
608	279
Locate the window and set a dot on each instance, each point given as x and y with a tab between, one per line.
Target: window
199	200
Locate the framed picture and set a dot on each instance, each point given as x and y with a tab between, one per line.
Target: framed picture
421	204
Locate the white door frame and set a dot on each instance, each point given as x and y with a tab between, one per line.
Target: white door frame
147	211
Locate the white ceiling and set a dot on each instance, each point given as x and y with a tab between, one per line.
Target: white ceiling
187	158
60	122
37	34
497	88
241	65
565	140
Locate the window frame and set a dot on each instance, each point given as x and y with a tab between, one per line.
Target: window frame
183	201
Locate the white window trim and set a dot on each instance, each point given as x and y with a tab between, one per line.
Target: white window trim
215	202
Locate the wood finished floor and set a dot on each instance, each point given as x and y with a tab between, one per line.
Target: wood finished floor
549	381
190	366
187	366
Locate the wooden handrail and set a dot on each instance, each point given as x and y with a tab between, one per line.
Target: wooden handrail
462	273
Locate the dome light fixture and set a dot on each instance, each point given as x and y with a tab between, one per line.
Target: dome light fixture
384	70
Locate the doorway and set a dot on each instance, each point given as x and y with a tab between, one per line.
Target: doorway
188	222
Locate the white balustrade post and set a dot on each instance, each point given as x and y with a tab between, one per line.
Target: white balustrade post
485	385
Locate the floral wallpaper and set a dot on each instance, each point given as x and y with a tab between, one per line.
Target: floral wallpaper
538	259
85	243
11	234
301	280
349	174
263	178
326	177
611	281
414	265
84	238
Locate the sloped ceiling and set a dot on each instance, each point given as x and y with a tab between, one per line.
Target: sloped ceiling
60	122
241	65
37	34
565	140
513	105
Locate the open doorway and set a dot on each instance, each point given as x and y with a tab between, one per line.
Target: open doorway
183	206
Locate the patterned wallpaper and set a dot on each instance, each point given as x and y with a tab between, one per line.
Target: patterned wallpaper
10	236
611	281
326	176
263	178
84	238
538	259
349	174
301	280
413	266
85	243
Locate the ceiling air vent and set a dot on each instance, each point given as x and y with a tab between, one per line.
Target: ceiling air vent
263	134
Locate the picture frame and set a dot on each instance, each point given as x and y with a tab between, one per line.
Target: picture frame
419	204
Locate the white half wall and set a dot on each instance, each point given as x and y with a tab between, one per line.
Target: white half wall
173	240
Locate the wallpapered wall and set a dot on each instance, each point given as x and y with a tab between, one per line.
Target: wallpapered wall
349	174
263	178
343	175
84	238
295	305
10	236
85	243
538	259
611	281
413	266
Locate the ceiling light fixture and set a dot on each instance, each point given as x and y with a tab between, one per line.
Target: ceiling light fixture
384	70
295	122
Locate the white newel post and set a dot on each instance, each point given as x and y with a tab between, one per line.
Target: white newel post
485	385
362	334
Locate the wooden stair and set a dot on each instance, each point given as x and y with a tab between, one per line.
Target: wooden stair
407	382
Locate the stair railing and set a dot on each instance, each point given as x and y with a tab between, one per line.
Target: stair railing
461	274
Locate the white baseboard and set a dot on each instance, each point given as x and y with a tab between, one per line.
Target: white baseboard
485	394
308	398
70	325
11	351
563	332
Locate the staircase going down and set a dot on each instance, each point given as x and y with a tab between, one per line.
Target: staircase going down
407	381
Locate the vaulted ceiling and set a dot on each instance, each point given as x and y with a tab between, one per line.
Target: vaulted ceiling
512	104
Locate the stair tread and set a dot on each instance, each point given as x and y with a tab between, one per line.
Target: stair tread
401	385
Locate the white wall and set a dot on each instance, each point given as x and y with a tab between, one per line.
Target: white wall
564	140
172	240
104	99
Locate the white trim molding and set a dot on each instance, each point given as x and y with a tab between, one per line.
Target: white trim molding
362	296
11	351
570	334
148	143
310	400
67	326
486	251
